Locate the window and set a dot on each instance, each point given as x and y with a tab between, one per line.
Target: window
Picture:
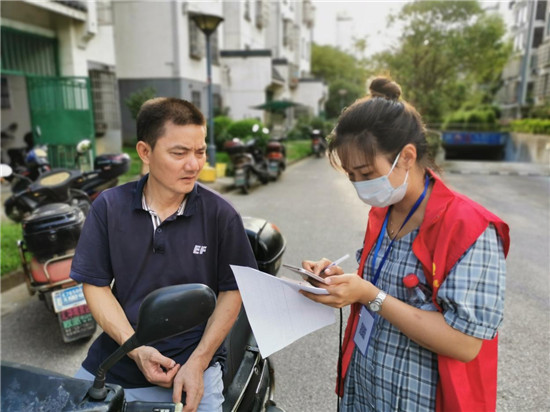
287	33
541	10
6	102
246	7
196	98
196	46
104	88
104	12
216	102
259	15
537	37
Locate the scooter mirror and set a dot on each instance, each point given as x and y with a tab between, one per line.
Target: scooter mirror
265	130
83	146
255	128
5	170
172	310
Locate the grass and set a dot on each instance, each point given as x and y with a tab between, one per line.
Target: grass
297	149
10	232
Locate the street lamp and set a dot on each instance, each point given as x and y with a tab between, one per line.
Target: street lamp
208	24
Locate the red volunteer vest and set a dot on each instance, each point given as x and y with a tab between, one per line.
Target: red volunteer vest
452	223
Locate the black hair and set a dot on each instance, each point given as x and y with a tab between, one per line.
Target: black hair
379	123
155	113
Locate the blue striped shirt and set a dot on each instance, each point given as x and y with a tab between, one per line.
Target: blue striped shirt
399	375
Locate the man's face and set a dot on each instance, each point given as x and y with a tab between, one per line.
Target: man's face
178	157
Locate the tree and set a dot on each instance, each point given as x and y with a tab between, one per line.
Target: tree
450	52
136	100
342	72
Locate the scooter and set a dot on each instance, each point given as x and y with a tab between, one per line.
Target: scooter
318	144
276	157
52	211
249	163
248	380
29	161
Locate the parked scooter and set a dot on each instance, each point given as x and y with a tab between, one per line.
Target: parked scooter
249	163
52	211
276	157
248	380
318	143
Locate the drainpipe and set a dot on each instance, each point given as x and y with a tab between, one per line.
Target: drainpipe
175	41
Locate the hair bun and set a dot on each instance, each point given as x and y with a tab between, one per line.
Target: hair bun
386	88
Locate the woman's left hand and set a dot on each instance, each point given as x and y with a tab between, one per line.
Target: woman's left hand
344	290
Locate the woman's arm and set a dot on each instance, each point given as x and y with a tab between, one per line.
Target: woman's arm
426	328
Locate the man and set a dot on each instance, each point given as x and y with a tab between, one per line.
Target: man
163	230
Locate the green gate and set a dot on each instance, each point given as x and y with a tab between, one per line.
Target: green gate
61	115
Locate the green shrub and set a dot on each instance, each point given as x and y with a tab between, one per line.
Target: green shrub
480	118
534	126
243	130
221	126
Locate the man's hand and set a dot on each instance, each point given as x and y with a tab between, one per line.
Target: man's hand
190	379
157	368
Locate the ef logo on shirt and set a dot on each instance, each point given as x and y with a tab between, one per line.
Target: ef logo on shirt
199	250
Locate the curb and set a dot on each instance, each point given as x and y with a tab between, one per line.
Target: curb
11	280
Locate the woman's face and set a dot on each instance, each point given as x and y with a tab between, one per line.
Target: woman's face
359	167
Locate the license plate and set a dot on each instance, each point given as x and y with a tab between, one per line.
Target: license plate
273	167
240	177
68	298
76	323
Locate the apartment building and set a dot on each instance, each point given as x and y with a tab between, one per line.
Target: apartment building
69	66
266	62
58	78
526	76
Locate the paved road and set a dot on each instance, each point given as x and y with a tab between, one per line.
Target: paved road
319	214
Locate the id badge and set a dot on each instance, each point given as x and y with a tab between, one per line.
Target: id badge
364	330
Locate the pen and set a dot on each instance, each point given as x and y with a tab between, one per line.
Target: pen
337	261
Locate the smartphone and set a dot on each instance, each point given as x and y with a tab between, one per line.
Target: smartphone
305	273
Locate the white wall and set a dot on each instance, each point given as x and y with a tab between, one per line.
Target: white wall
143	39
245	86
312	94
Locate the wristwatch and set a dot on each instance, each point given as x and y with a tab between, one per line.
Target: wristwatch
376	304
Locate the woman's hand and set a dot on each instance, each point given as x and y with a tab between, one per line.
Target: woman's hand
320	267
344	290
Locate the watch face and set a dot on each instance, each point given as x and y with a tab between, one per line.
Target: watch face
374	306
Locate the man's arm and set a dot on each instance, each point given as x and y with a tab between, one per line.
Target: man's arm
190	376
108	313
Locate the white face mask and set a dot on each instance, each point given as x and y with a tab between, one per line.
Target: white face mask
379	192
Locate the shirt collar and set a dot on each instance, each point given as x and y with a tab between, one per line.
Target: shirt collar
190	199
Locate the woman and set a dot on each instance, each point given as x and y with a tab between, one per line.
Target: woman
429	299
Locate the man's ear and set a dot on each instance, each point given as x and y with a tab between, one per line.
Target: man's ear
144	151
408	156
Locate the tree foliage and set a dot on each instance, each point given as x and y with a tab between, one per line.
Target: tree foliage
344	74
136	99
450	52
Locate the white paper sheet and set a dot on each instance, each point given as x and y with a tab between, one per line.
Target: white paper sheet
277	312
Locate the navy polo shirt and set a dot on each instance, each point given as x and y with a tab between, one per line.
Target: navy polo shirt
118	243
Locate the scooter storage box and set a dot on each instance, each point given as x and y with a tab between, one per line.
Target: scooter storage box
234	146
274	147
112	165
268	244
52	230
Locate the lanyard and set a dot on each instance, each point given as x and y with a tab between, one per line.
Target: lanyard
381	236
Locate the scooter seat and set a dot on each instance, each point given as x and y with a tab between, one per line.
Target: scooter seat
51	271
